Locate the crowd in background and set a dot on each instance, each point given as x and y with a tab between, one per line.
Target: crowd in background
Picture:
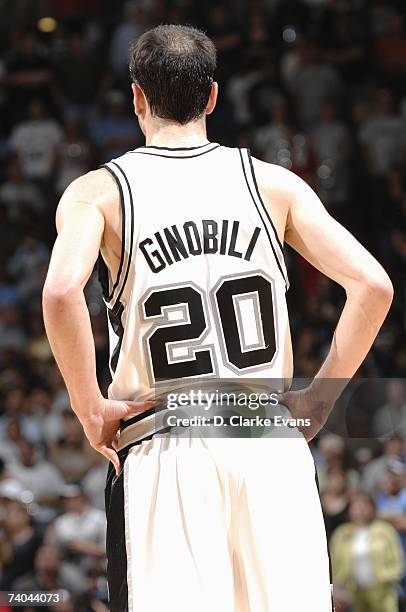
317	86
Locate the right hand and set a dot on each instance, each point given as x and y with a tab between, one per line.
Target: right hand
102	425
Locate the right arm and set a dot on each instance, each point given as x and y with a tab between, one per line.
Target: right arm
329	247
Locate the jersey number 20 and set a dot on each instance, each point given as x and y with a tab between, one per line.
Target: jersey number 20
244	322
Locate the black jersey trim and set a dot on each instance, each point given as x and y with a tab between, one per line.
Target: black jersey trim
109	296
116	549
175	156
330	569
116	322
103	276
261	200
262	219
140	417
174	148
130	251
122	454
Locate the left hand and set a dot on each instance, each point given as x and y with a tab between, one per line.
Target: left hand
305	404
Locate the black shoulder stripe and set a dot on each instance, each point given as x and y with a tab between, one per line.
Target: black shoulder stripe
109	296
131	231
261	200
262	219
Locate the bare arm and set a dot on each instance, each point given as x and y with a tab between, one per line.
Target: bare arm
80	224
80	227
313	233
336	253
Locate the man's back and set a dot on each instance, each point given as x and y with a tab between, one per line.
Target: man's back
200	291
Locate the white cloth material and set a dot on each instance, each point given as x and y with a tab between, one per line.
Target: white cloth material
217	289
226	525
89	526
361	559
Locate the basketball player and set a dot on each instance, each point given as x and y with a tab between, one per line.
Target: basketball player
191	236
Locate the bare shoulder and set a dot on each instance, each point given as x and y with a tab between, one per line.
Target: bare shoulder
277	181
96	188
281	190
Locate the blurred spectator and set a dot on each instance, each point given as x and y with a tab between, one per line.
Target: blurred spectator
28	267
10	436
96	596
390	419
28	73
238	91
79	74
375	471
71	454
22	540
390	52
94	482
331	458
50	421
226	36
345	41
382	135
12	334
274	141
391	503
17	193
37	475
50	573
267	91
79	533
335	500
38	345
124	35
35	142
367	558
331	146
312	82
73	156
8	293
114	131
9	487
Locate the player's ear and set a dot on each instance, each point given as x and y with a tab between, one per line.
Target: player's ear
211	104
139	100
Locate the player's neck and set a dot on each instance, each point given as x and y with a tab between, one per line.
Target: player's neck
173	135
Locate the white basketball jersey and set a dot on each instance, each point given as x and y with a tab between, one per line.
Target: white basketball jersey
200	291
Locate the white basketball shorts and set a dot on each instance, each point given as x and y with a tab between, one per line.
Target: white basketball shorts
217	525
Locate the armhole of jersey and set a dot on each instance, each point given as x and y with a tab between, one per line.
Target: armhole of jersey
112	292
251	181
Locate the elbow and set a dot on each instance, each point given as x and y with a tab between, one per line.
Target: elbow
56	294
380	290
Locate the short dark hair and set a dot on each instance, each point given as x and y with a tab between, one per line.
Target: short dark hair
174	66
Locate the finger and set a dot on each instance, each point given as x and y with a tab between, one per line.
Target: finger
118	410
140	406
112	456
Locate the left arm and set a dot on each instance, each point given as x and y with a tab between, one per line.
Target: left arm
80	223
